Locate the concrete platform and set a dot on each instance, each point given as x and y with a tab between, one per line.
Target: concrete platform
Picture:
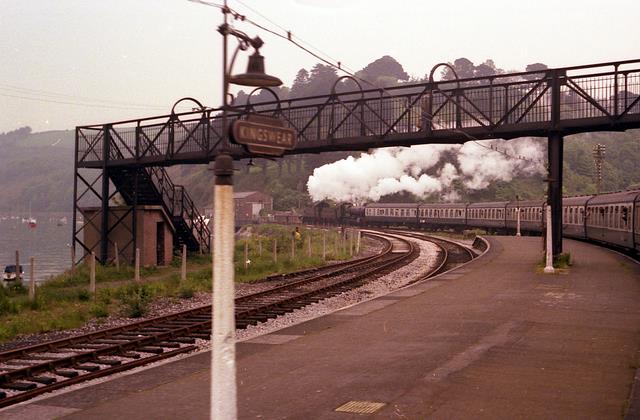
494	340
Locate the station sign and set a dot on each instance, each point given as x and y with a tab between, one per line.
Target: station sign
263	135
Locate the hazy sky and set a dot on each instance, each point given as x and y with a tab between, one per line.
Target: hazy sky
65	63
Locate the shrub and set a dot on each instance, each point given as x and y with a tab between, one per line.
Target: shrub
136	300
84	295
185	292
99	310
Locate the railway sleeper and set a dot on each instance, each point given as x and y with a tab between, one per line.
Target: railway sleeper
203	336
3	395
151	349
66	373
19	386
87	368
45	380
114	341
129	355
183	340
108	362
168	344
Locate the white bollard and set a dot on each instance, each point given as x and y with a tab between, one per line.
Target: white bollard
548	269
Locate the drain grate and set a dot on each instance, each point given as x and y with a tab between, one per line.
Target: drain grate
360	407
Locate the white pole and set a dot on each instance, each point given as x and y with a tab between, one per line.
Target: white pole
358	242
518	221
548	269
309	245
183	270
223	359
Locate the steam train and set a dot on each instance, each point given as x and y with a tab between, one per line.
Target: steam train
612	219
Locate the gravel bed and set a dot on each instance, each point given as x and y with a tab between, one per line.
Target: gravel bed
381	286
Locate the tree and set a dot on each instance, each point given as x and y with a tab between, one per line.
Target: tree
383	71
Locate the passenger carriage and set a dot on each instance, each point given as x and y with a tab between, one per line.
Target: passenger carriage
531	216
439	215
490	216
610	218
391	214
573	216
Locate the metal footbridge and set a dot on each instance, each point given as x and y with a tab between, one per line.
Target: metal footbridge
127	157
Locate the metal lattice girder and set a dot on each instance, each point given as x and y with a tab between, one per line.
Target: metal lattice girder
597	97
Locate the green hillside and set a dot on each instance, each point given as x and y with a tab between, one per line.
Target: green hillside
37	168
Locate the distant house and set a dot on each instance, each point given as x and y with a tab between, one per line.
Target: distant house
287	217
249	204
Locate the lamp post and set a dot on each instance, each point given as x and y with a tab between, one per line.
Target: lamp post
518	215
223	369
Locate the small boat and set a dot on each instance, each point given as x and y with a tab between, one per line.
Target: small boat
32	222
62	221
9	276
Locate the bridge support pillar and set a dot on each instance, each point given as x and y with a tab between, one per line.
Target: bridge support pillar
554	194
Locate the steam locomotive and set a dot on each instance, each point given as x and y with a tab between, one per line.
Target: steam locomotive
612	219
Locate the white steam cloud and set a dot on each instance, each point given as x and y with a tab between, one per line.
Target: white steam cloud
421	170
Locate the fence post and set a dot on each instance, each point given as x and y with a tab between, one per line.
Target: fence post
117	256
350	233
183	269
92	274
293	247
260	247
137	266
73	259
358	242
18	266
32	280
246	255
309	245
275	250
324	245
335	243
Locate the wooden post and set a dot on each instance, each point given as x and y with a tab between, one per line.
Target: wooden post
183	270
117	256
92	273
275	250
309	245
32	280
359	237
246	255
335	244
260	246
293	247
137	266
350	233
324	245
73	260
17	266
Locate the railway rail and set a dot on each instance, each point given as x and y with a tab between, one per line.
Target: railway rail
33	370
452	254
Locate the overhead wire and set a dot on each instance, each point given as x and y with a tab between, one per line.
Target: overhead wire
340	67
56	95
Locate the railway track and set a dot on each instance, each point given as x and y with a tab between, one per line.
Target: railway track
452	254
30	371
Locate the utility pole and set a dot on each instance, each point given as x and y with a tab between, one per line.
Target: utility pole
599	151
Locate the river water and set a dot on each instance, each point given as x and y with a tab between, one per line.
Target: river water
48	243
